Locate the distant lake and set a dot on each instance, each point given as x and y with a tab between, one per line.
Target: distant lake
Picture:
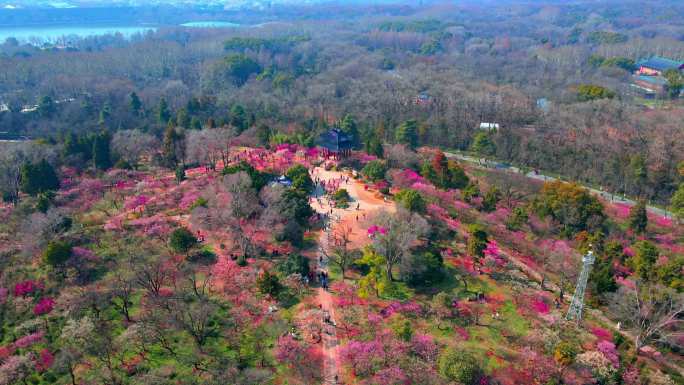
51	34
211	24
54	33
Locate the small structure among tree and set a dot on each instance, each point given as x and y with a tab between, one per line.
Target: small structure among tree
336	143
489	126
657	66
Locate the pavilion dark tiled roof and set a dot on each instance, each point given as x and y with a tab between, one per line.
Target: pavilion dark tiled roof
335	140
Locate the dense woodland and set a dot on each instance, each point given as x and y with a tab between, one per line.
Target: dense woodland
171	218
474	63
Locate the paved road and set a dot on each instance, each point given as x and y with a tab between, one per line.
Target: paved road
545	178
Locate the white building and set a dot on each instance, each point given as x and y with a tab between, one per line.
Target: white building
489	126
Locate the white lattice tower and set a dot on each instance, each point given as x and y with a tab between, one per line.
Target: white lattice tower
575	310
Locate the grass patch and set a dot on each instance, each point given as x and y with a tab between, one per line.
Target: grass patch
514	322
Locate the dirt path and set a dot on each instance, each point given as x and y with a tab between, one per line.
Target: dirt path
329	337
363	204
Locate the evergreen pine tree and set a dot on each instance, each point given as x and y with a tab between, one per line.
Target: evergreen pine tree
183	119
677	202
490	199
163	113
169	146
348	126
457	177
374	146
101	151
38	178
477	241
638	219
180	174
136	104
407	133
71	145
238	118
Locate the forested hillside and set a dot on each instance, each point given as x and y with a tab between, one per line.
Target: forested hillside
328	198
473	64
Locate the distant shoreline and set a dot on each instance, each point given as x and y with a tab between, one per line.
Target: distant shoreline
52	32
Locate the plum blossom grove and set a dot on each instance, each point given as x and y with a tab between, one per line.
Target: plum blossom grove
215	273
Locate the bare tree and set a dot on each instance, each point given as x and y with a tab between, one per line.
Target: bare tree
10	174
122	290
653	313
244	199
338	250
208	146
39	229
12	157
75	342
151	276
154	328
196	318
564	263
400	156
130	145
401	231
228	202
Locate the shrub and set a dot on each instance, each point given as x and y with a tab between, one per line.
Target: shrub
587	92
471	191
517	218
411	200
405	331
491	198
295	264
269	284
57	253
571	205
205	256
459	366
477	240
123	164
341	198
180	174
199	202
375	170
299	175
565	353
44	201
259	179
457	176
182	240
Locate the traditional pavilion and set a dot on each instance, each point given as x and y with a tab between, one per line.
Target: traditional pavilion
335	143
